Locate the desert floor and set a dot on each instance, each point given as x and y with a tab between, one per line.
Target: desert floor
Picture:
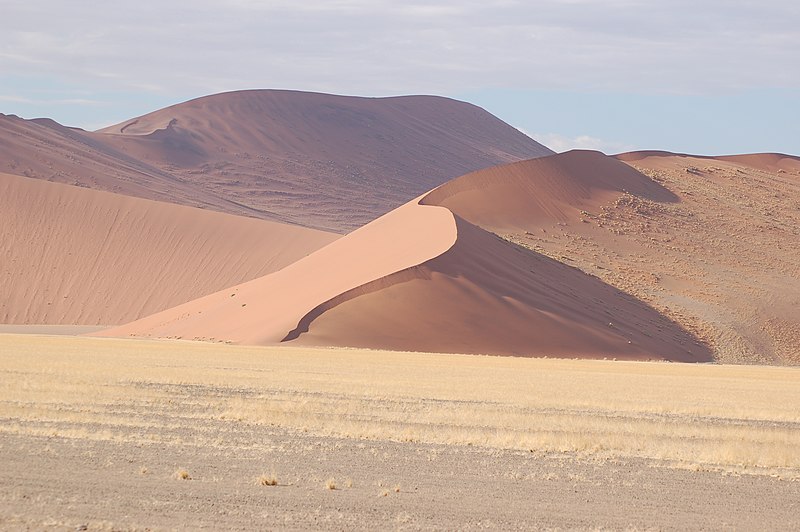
141	434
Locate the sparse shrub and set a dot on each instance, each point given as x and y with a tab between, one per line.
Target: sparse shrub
330	484
182	474
268	480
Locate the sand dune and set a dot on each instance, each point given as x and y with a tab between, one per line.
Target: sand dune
319	160
46	150
267	309
543	191
769	162
77	256
421	278
720	258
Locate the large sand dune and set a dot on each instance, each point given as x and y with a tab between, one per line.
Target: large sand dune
318	160
46	150
718	253
77	256
544	191
423	278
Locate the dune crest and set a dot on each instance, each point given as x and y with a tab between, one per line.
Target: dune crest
317	160
546	190
346	159
423	278
267	309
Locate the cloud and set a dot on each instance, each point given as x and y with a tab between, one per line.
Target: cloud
46	102
561	143
384	47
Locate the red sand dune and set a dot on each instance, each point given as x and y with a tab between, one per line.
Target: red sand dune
317	160
77	256
723	261
769	162
423	278
265	310
46	150
320	160
543	191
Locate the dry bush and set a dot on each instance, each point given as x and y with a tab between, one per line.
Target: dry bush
182	474
330	484
268	480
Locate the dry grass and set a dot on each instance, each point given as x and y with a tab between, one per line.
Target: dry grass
268	480
182	474
330	484
86	388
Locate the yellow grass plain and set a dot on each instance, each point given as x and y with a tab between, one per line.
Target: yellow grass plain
742	417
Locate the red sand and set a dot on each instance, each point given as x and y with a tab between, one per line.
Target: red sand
77	256
317	160
422	278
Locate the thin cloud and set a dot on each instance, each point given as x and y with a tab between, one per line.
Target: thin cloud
59	101
382	47
561	143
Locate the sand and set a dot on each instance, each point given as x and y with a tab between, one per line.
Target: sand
95	431
74	256
720	259
422	278
317	160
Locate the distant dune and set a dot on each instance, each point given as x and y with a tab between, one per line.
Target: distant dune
77	256
423	278
46	150
769	162
317	160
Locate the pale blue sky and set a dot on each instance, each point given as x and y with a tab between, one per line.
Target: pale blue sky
693	76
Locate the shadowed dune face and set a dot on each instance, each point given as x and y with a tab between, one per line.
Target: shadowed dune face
486	295
317	160
46	150
424	279
77	256
345	160
264	310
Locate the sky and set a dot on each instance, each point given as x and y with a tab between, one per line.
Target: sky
704	77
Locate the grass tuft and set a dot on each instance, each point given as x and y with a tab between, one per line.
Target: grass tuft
268	480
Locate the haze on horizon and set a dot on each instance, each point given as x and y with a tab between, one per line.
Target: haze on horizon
703	77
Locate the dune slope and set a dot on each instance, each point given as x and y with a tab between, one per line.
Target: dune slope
320	160
265	310
77	256
317	160
423	278
44	149
717	253
543	191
